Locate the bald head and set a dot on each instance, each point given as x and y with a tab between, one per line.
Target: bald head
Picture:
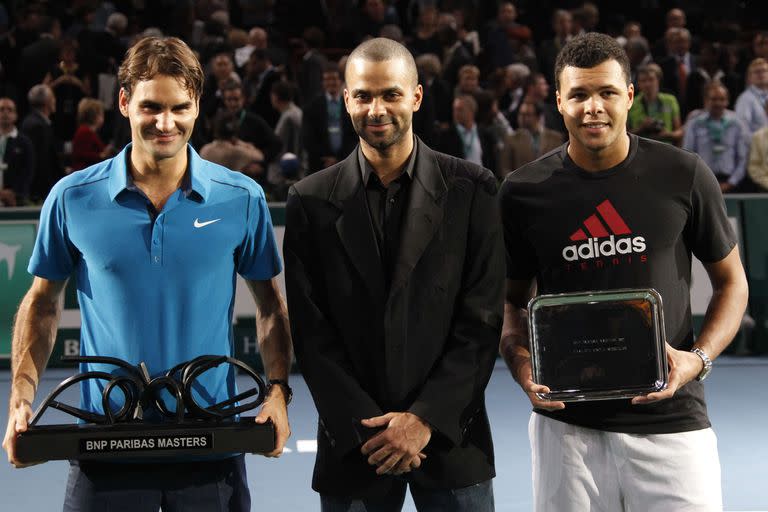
380	50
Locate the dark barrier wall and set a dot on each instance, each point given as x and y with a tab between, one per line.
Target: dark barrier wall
17	234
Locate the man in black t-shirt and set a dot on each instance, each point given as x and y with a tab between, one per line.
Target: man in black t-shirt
610	210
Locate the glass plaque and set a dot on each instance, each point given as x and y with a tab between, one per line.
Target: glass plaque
598	345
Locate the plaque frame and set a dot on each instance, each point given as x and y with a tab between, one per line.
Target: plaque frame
579	300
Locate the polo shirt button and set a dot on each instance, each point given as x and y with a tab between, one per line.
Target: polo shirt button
157	259
155	241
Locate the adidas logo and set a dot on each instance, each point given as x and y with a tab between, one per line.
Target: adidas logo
606	222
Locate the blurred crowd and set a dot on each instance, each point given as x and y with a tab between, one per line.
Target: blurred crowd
273	107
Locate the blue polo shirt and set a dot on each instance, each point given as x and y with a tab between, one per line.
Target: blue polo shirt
157	287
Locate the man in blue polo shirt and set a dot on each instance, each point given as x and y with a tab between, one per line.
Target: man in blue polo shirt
154	238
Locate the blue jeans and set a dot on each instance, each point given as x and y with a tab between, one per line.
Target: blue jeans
475	498
209	486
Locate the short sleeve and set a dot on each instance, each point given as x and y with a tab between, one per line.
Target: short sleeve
258	258
520	254
53	256
709	233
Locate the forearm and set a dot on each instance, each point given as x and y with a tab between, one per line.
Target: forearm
34	334
723	317
514	338
274	338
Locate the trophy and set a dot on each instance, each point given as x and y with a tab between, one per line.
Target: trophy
598	345
186	428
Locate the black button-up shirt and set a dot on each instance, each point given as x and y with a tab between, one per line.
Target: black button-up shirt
386	209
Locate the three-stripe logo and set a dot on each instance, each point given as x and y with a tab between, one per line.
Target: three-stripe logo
605	222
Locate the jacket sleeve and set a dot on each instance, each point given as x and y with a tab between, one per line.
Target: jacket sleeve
340	400
454	392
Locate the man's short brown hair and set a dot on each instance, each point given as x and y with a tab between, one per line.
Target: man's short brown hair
152	56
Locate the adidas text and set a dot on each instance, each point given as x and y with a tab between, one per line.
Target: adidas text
593	248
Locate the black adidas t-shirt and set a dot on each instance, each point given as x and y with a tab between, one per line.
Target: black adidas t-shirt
657	207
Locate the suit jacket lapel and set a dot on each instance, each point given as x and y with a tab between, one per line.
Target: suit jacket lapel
354	226
423	215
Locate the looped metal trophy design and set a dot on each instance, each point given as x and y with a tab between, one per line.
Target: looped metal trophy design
598	345
188	428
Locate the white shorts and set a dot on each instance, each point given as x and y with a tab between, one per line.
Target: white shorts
578	469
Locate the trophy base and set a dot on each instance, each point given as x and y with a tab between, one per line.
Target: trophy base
137	441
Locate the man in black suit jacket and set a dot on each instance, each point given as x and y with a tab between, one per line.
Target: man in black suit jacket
464	138
37	126
327	139
17	158
394	273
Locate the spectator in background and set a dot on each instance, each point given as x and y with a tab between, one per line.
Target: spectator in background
37	126
465	139
491	120
312	64
497	38
425	37
675	18
654	114
87	146
436	90
258	39
70	84
750	106
710	67
251	127
220	69
720	138
289	125
516	76
537	91
530	140
37	59
17	158
229	150
327	133
639	55
454	54
758	159
262	73
469	81
678	66
562	22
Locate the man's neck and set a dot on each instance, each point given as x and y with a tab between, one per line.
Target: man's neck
6	130
152	175
607	158
388	164
467	126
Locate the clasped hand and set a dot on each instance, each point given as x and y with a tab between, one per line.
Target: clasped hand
398	448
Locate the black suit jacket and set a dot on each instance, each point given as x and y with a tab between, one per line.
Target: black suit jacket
315	137
671	83
427	346
48	167
20	161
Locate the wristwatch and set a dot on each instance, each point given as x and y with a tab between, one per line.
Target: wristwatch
287	391
707	363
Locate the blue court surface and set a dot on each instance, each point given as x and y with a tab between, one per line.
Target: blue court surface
737	394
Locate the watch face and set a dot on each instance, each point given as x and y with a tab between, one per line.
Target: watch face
704	373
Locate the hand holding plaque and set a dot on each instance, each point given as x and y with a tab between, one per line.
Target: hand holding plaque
598	345
187	427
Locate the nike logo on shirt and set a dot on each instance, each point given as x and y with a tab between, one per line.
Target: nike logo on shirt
199	224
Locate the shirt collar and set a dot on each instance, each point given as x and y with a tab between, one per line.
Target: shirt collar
12	134
195	183
366	169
